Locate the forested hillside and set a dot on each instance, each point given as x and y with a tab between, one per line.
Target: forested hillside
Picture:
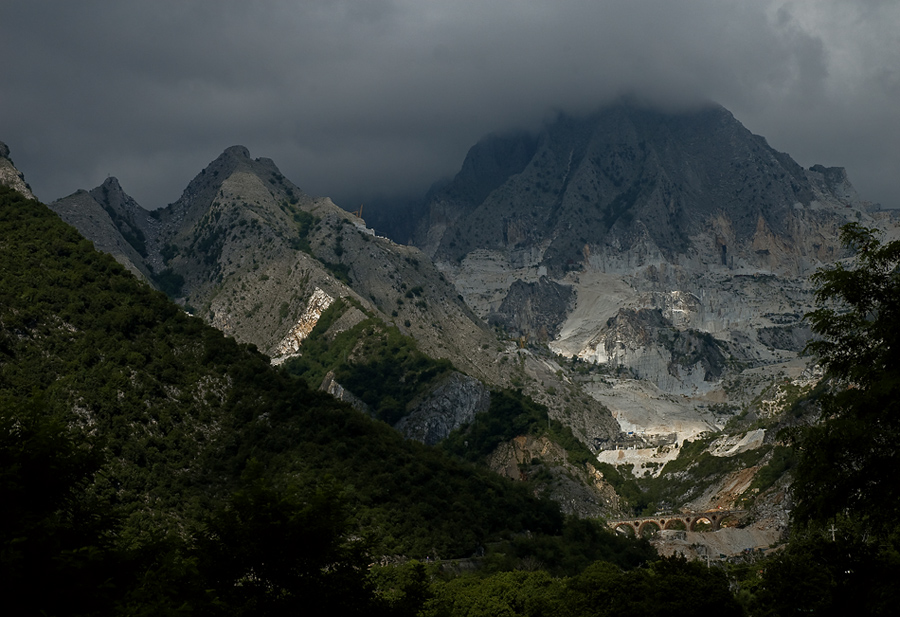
147	460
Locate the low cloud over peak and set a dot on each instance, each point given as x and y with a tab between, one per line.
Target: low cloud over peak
386	96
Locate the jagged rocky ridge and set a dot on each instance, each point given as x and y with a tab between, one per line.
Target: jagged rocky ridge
249	252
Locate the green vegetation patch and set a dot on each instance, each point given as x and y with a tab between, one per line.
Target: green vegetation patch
304	222
375	362
510	415
169	282
340	271
783	460
666	587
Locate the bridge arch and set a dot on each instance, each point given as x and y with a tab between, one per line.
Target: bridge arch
686	521
677	523
649	528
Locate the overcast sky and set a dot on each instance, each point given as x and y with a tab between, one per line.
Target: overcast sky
352	98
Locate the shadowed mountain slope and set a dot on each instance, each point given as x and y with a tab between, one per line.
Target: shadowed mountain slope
620	177
180	411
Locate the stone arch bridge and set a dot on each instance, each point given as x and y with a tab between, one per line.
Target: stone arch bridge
687	521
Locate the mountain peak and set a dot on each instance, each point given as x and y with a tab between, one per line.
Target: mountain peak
116	201
203	189
621	174
112	220
112	183
240	152
235	158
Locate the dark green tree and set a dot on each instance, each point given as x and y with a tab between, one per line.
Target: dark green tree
404	588
506	594
848	460
673	587
830	571
667	587
284	551
843	553
55	539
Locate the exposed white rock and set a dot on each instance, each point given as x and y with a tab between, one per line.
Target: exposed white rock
599	297
361	226
484	277
729	445
648	413
318	302
646	461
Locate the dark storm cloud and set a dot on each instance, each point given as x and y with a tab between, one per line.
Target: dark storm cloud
351	98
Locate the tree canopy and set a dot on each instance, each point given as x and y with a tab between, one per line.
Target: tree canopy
848	460
844	550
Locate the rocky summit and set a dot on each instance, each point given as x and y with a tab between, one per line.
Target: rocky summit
674	248
248	250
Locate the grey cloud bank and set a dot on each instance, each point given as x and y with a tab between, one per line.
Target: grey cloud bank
356	98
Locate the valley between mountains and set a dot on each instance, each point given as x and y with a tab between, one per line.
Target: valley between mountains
636	280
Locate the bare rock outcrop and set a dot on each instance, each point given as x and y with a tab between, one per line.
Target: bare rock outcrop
290	344
449	405
108	227
10	176
338	391
535	310
580	491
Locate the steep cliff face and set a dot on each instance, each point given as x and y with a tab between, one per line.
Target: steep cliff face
114	222
644	341
683	242
10	176
534	310
449	405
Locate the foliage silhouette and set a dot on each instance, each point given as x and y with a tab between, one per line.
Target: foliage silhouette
847	460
